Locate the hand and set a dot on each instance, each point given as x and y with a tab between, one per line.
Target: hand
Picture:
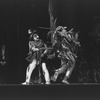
42	55
35	49
58	51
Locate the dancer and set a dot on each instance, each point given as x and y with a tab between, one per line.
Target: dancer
66	47
3	62
3	65
37	50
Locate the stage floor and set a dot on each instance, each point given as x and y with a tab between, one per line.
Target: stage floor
57	84
73	91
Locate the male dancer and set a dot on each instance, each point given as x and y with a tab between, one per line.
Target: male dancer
66	48
37	50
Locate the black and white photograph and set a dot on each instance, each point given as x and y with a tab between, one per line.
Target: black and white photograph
49	43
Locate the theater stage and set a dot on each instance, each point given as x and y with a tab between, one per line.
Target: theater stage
72	91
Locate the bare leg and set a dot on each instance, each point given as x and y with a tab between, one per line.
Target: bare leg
59	71
29	71
71	64
68	73
46	73
66	77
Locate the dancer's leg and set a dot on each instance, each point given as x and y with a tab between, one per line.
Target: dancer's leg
59	71
46	73
29	71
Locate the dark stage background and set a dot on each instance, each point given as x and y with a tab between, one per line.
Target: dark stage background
17	16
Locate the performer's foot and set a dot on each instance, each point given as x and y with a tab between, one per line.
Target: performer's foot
41	83
54	78
65	81
48	82
26	83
